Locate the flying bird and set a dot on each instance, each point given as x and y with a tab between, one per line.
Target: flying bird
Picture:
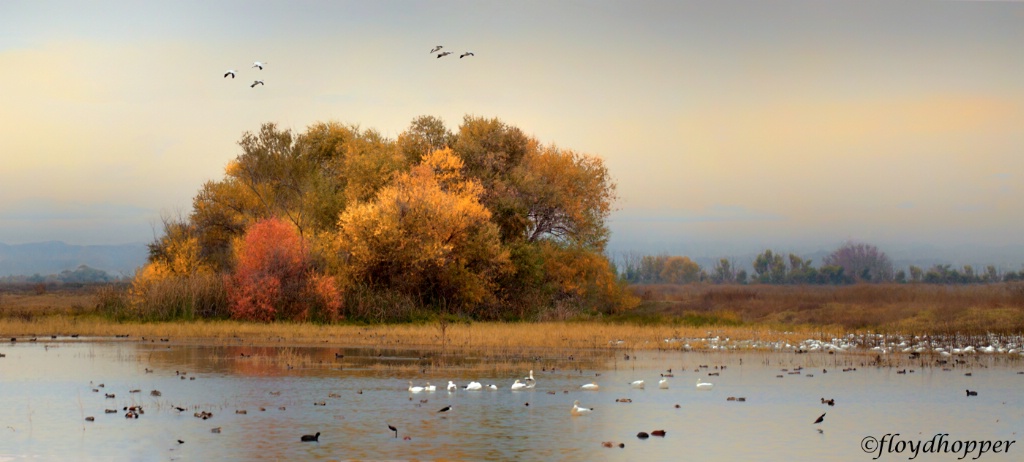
468	53
435	49
258	82
820	419
445	409
258	64
441	55
230	72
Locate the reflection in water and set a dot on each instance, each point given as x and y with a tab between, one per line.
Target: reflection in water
351	396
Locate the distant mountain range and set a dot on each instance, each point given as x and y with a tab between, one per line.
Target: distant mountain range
52	257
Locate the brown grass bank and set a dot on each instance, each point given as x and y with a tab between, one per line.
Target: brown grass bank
904	308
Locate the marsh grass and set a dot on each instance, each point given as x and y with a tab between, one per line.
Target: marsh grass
693	313
919	308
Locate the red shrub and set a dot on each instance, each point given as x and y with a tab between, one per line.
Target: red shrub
270	276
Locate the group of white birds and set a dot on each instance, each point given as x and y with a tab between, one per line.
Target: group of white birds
256	64
529	382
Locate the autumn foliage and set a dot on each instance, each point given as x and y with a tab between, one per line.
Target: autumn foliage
485	222
273	278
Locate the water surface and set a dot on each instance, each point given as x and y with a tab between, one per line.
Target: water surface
47	392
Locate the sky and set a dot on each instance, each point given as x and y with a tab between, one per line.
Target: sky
729	126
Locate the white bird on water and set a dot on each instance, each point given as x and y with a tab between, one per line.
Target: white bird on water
413	389
430	387
578	410
474	386
518	385
704	385
530	381
452	386
637	384
663	383
590	386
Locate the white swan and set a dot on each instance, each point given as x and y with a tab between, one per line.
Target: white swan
704	385
577	410
452	386
413	389
492	387
530	381
663	383
430	387
637	384
590	386
518	385
474	386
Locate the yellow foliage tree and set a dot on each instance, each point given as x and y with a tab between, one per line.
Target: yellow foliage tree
426	234
679	270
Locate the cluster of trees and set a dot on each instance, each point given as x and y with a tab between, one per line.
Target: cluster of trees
83	274
850	263
339	221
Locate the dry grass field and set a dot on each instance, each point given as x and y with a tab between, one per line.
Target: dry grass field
759	313
905	308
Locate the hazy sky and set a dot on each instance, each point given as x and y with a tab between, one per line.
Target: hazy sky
743	124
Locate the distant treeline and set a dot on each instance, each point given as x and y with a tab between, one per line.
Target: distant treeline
81	275
851	263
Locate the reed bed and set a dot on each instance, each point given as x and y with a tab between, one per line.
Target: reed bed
509	339
917	308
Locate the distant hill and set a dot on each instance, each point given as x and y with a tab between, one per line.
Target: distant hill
53	257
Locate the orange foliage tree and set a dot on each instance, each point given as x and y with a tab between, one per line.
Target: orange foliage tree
274	278
426	235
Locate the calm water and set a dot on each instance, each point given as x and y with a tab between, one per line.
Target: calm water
46	391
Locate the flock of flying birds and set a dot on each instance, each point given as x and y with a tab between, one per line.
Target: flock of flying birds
259	64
